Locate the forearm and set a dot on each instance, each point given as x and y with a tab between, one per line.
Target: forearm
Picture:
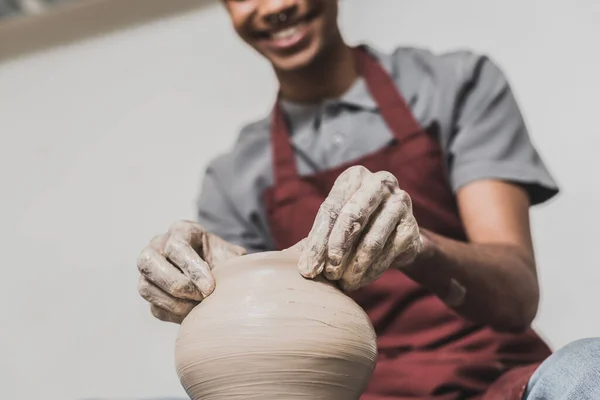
492	284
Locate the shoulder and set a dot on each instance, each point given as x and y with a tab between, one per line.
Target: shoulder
246	165
457	65
482	131
419	70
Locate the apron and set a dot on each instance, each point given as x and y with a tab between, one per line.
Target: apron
425	349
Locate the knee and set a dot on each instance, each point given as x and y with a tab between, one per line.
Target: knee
570	370
581	356
581	346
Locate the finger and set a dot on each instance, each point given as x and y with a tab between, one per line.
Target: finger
157	270
211	248
181	253
188	232
155	296
354	216
164	315
313	257
371	245
315	251
401	249
158	243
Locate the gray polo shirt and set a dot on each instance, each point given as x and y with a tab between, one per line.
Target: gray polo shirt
463	96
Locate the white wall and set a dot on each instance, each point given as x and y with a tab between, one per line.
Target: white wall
104	143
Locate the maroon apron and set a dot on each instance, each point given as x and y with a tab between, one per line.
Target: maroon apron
426	350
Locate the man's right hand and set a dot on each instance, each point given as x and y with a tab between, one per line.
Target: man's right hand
176	269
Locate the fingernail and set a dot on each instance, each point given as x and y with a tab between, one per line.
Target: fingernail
205	293
304	266
318	268
302	260
206	286
311	270
332	272
335	259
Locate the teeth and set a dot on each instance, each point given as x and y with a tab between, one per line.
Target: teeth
286	33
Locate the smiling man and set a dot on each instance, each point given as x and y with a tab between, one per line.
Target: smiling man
405	177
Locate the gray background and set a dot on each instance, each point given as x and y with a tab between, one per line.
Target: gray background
15	8
104	142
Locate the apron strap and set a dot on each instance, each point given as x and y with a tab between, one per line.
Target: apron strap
392	106
284	158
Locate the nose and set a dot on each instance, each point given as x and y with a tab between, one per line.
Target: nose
278	12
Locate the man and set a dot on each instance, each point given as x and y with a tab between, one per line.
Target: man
406	178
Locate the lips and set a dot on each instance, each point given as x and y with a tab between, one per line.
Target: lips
289	36
286	33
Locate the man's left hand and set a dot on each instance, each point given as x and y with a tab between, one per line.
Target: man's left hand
364	227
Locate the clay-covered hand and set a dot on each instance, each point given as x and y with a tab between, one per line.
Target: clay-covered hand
364	227
176	268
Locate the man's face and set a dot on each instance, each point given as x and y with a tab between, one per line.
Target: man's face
289	33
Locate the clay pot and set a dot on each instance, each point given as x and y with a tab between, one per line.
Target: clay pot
268	333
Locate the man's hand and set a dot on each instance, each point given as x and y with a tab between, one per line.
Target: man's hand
176	268
364	227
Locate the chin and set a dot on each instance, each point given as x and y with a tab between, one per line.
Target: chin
294	63
297	61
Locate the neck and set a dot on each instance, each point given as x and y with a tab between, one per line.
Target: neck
330	75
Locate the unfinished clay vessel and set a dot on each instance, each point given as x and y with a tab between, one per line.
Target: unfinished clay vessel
268	333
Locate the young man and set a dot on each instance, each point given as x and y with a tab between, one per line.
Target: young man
405	177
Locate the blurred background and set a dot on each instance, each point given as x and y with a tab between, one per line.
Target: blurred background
13	8
111	109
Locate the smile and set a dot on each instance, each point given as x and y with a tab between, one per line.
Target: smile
287	33
289	37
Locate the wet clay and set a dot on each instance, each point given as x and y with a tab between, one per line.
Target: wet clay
268	333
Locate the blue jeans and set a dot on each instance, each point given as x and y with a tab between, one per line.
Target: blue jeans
571	373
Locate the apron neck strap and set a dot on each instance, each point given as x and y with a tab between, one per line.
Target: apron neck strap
392	107
284	159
